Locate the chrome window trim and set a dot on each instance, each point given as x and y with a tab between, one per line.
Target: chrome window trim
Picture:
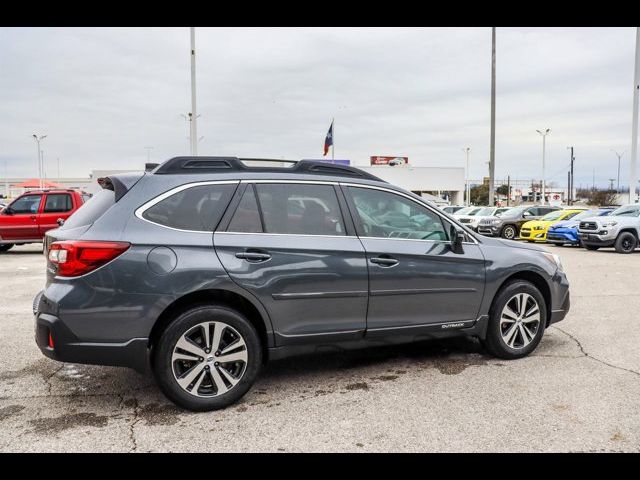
145	206
312	182
389	190
220	232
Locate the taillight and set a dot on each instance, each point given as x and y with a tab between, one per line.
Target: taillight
75	258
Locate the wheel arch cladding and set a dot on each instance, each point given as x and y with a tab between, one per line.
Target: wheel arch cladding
537	280
223	298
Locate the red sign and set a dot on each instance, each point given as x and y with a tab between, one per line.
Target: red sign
389	161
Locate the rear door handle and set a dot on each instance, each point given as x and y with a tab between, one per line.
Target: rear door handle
384	261
253	256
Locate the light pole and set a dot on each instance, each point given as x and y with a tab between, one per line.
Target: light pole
492	147
194	130
38	139
466	180
148	149
619	155
633	175
544	138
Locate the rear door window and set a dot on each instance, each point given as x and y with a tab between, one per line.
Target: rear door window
58	203
196	208
246	218
300	209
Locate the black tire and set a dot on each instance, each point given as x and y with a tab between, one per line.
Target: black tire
626	242
591	247
5	246
494	342
510	232
163	368
559	244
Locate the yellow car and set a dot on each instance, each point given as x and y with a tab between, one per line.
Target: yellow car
536	230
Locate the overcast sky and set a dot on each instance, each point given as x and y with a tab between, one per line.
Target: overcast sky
103	94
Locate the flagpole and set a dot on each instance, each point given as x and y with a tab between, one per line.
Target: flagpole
333	140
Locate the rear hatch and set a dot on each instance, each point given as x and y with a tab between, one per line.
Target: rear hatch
113	189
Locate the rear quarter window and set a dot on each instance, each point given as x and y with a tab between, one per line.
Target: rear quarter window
91	210
196	208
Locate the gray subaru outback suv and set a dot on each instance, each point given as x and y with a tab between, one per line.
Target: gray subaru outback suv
204	268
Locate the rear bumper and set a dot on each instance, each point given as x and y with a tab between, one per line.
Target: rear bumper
561	299
67	347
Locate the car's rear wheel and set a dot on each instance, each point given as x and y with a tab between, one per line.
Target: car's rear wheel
509	232
5	246
207	358
516	320
626	242
591	247
559	244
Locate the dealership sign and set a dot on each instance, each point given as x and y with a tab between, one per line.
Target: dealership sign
389	161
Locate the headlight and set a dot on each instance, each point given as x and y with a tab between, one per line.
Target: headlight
610	223
575	227
496	221
553	258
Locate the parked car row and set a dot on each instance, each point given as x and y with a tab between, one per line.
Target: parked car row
27	218
576	226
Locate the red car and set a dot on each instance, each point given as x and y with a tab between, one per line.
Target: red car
32	214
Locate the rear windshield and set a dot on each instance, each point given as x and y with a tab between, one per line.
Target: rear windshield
92	210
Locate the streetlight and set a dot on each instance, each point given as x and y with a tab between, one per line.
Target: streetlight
544	138
148	149
466	180
619	155
38	139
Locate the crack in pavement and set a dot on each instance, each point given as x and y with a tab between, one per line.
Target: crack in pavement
588	355
136	419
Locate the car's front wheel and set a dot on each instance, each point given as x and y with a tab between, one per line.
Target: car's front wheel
207	358
509	232
626	242
516	320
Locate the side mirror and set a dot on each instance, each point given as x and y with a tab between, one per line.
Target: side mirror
7	211
456	237
60	222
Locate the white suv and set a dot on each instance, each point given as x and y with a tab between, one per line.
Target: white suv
621	230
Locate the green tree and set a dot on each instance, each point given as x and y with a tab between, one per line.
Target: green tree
479	194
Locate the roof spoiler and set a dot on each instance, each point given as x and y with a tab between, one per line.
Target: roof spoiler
120	184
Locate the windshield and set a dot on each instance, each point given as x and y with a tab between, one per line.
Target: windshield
556	215
464	211
487	211
627	211
586	214
474	211
511	212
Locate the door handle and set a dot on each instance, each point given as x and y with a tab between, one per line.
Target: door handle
384	261
253	256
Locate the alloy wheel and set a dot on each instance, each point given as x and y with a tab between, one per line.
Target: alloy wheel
209	359
519	320
509	233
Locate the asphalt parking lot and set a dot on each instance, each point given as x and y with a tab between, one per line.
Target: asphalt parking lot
580	390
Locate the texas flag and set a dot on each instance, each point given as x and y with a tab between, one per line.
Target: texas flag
328	141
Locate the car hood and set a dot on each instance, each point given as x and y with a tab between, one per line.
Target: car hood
566	224
501	242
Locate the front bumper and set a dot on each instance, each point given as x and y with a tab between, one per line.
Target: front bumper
533	235
489	230
564	235
68	348
600	238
